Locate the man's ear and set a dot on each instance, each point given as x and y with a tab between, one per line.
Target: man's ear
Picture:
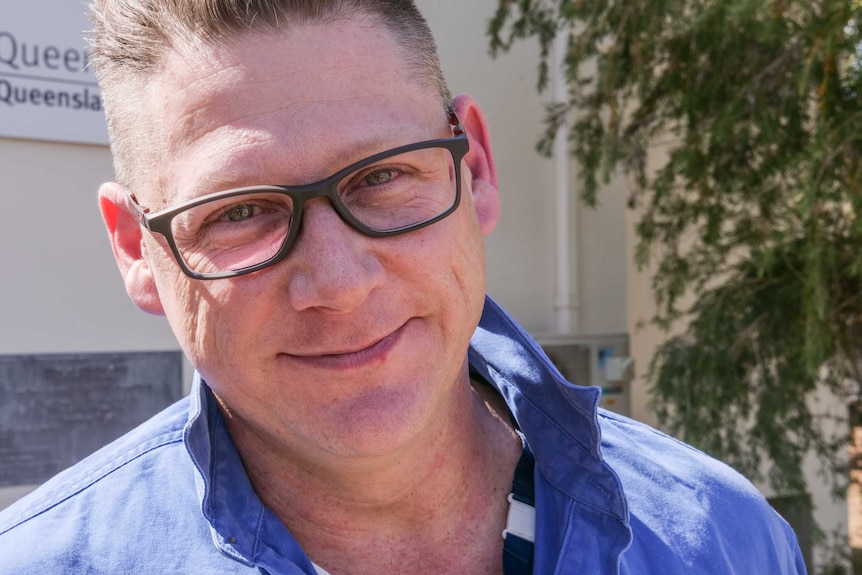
125	235
486	197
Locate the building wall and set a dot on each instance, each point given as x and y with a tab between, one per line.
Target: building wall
60	285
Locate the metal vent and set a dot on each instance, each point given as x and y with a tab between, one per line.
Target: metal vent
572	360
601	360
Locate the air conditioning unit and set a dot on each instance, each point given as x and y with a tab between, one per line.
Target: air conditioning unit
599	360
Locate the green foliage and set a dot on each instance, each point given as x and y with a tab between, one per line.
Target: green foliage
739	125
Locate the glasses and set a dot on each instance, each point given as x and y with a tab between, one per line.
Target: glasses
242	230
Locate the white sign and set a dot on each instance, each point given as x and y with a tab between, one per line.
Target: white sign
47	91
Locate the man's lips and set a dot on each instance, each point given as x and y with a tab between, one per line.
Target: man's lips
374	353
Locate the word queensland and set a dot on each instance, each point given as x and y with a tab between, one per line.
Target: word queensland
26	69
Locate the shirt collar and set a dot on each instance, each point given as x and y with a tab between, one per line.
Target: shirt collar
558	419
240	525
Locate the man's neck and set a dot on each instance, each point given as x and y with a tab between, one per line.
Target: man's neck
438	507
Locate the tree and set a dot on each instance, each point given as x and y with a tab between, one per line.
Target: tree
739	125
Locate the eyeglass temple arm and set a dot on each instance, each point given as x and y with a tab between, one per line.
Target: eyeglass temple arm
140	211
455	122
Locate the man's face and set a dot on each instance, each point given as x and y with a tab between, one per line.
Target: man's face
352	345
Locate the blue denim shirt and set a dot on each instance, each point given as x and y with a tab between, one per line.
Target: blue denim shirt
612	495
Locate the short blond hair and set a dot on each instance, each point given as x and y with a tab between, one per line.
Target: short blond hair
131	38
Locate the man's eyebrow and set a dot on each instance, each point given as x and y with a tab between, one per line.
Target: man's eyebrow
344	156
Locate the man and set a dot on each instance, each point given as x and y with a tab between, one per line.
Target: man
300	197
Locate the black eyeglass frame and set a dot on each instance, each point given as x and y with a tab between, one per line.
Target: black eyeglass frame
160	222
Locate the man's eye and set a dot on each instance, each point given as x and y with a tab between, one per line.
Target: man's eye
240	212
379	177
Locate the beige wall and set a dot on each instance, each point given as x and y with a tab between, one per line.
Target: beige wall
60	285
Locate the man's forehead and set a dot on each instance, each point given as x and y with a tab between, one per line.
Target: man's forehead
313	63
360	41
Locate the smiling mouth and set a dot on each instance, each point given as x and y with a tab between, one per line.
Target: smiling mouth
377	352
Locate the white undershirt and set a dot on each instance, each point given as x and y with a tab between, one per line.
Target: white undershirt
320	570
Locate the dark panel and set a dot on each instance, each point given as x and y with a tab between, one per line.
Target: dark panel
796	510
56	409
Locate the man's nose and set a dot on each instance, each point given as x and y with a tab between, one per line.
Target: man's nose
331	266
